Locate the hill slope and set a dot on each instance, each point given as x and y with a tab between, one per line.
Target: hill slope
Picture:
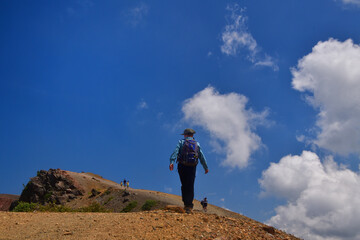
6	200
81	189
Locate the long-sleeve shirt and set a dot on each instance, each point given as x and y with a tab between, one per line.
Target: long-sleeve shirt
175	154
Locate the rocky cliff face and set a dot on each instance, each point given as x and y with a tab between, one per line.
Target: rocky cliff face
54	185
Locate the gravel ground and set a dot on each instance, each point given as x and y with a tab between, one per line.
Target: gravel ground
159	224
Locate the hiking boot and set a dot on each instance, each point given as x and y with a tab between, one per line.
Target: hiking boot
188	210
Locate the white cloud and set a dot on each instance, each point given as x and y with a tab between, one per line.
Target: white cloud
300	138
230	124
168	189
331	74
137	14
236	37
222	206
322	198
267	61
142	105
356	2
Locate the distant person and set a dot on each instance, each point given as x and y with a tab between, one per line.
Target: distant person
187	154
204	204
124	182
127	184
121	184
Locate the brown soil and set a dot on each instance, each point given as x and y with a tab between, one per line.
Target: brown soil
216	223
158	224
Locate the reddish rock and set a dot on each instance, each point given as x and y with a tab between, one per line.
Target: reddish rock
6	200
174	208
269	229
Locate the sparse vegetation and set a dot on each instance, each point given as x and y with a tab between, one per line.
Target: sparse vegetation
31	207
109	199
26	186
130	206
52	207
148	205
25	207
94	207
47	196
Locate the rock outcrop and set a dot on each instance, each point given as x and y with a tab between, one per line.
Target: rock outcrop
55	186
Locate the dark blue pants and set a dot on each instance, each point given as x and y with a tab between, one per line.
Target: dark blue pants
187	178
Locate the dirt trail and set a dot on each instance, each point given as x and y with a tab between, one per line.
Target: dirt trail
157	224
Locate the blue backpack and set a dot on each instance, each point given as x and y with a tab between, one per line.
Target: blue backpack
189	153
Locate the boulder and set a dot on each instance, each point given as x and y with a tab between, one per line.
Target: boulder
54	185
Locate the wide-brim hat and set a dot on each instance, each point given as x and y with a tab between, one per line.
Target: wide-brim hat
188	131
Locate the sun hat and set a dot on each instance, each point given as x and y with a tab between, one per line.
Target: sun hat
188	131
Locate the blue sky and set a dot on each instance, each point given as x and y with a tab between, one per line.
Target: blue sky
269	86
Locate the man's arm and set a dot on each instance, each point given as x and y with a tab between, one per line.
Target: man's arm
203	160
174	155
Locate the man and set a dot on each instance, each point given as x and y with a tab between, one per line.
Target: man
187	153
204	204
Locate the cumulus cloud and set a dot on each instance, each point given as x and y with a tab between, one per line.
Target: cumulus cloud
236	37
229	123
322	197
330	74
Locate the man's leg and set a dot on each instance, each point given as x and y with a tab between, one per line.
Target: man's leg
187	178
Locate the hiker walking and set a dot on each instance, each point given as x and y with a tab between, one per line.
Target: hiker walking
127	184
204	204
187	153
124	182
121	184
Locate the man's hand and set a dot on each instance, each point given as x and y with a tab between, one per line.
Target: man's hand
206	171
171	167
